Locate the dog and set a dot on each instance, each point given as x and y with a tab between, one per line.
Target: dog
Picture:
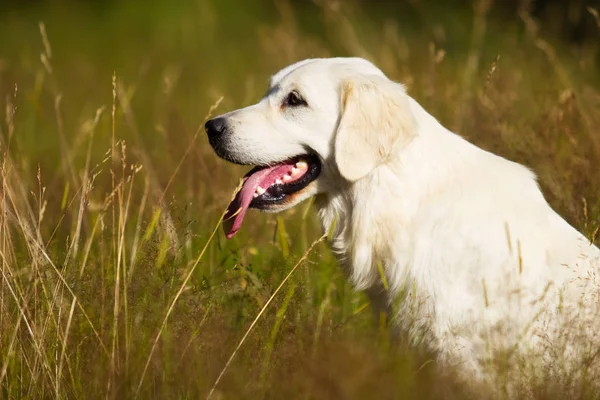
476	263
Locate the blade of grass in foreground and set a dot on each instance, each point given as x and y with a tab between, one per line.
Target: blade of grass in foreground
261	313
172	306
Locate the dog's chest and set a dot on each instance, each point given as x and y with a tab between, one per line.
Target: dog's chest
366	244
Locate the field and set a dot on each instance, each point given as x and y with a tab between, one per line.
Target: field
116	278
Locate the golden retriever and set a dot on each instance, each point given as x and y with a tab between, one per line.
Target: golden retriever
477	262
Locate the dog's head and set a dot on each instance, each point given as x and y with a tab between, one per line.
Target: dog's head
323	124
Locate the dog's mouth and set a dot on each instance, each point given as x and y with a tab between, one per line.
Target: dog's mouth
267	187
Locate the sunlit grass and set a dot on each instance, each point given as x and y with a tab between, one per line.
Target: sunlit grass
114	282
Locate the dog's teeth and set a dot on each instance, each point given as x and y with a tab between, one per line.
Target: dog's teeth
287	178
278	181
295	171
259	191
301	165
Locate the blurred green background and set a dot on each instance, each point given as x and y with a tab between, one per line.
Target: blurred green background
106	290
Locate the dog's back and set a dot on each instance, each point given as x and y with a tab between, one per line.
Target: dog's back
493	268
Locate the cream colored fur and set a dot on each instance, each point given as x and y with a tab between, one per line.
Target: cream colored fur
477	262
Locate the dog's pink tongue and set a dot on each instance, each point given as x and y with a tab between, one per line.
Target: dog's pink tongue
232	222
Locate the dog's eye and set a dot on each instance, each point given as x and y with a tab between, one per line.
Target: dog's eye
294	100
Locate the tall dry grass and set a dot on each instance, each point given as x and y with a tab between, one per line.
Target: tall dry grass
116	281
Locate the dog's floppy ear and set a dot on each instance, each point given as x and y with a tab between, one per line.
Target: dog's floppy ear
376	119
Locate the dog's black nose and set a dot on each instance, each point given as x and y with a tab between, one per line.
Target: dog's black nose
214	127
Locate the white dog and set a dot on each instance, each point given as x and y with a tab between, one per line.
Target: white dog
479	263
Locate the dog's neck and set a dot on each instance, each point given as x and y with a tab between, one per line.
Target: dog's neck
396	189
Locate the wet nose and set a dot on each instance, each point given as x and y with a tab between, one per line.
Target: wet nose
215	127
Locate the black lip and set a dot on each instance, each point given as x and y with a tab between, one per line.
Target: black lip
276	194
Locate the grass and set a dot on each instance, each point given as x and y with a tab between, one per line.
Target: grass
116	281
